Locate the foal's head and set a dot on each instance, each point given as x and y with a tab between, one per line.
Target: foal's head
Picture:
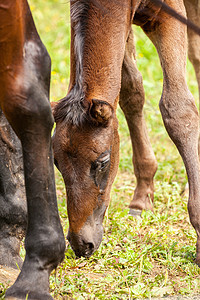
86	153
86	141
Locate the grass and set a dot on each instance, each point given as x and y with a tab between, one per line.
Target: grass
145	258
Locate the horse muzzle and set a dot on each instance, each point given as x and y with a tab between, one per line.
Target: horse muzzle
86	241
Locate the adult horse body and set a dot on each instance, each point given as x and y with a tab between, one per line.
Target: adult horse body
103	71
24	84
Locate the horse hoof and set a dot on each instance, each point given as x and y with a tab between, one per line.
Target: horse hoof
27	297
12	298
30	296
136	213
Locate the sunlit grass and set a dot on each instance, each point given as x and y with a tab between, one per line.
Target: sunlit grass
149	257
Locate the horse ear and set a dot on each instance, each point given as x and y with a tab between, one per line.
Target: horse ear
101	111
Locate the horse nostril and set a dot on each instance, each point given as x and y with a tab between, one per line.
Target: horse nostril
81	244
90	246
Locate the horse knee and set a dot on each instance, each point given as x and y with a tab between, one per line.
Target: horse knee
49	248
180	116
132	92
25	102
31	115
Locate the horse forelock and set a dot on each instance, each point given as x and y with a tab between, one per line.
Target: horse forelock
70	109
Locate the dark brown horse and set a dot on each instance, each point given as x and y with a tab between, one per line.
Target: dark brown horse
86	138
103	71
24	84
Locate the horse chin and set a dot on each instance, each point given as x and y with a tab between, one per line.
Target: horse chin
86	241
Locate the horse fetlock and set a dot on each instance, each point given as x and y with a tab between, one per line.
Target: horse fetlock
197	260
143	197
32	283
145	169
47	251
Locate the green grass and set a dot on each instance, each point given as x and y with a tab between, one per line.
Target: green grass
150	257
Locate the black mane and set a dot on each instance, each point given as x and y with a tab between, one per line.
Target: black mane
70	109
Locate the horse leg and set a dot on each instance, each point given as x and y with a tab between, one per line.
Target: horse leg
24	82
44	242
132	101
177	105
193	13
13	211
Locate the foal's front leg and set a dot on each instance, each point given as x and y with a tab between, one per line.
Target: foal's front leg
177	105
132	101
193	13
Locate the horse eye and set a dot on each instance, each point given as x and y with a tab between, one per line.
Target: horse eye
102	162
100	169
